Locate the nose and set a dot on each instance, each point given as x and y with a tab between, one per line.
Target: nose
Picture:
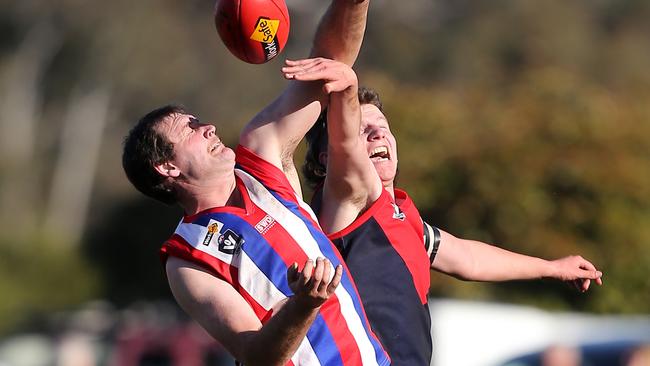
376	134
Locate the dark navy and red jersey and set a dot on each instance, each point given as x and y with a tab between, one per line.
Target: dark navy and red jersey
252	247
390	262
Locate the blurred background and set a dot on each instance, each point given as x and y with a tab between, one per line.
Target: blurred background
521	123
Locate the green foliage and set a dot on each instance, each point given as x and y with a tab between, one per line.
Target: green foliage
552	165
37	278
522	123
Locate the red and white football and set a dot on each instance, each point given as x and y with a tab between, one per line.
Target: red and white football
255	31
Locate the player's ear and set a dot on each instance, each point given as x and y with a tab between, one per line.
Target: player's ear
322	158
167	169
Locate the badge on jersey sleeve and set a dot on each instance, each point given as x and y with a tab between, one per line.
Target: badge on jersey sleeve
227	242
214	227
230	242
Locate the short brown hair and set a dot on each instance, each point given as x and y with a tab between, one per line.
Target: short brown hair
144	148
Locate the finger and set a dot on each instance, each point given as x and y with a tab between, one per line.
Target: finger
335	280
585	285
599	281
327	270
302	65
292	272
585	264
576	285
297	68
335	86
310	75
590	274
318	272
307	271
302	61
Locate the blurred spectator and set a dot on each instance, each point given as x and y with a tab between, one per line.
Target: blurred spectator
640	356
561	355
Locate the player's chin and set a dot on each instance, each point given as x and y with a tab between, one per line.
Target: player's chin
386	170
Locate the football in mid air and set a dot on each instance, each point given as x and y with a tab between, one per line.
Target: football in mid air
255	31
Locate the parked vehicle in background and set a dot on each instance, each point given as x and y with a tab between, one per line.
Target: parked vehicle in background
470	333
618	353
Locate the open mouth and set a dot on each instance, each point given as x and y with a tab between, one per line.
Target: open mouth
215	147
379	154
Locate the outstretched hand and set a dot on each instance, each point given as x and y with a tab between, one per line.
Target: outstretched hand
314	285
577	271
336	75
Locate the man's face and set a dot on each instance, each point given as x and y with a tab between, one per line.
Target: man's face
199	153
380	142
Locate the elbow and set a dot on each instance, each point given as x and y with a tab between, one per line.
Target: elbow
466	270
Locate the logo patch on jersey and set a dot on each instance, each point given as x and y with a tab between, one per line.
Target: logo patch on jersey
230	243
265	224
397	213
213	228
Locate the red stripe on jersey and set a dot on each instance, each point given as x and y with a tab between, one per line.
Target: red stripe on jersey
349	351
268	174
408	241
278	238
405	236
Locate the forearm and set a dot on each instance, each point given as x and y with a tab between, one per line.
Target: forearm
344	119
277	340
276	131
340	33
491	263
477	261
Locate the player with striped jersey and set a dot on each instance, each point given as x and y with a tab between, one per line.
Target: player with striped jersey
234	262
253	246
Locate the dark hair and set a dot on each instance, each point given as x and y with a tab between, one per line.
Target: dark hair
312	169
144	148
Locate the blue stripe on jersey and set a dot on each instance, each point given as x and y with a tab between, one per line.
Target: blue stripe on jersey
327	351
325	246
272	265
262	254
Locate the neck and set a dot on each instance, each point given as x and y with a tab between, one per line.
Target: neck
197	198
388	185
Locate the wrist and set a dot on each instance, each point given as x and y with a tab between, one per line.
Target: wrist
304	304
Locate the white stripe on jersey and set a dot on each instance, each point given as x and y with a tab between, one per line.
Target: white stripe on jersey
429	238
260	287
251	278
309	210
305	354
299	231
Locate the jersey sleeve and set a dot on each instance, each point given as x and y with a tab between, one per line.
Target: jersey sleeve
431	240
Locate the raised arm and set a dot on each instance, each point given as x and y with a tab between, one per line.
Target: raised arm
351	183
477	261
276	131
224	313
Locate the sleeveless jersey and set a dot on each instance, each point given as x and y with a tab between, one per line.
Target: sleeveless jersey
390	262
252	248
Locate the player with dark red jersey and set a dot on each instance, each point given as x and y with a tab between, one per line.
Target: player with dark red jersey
387	246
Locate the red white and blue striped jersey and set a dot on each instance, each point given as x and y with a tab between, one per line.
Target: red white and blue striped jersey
252	247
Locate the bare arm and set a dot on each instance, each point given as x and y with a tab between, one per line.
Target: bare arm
478	261
351	183
217	307
276	131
